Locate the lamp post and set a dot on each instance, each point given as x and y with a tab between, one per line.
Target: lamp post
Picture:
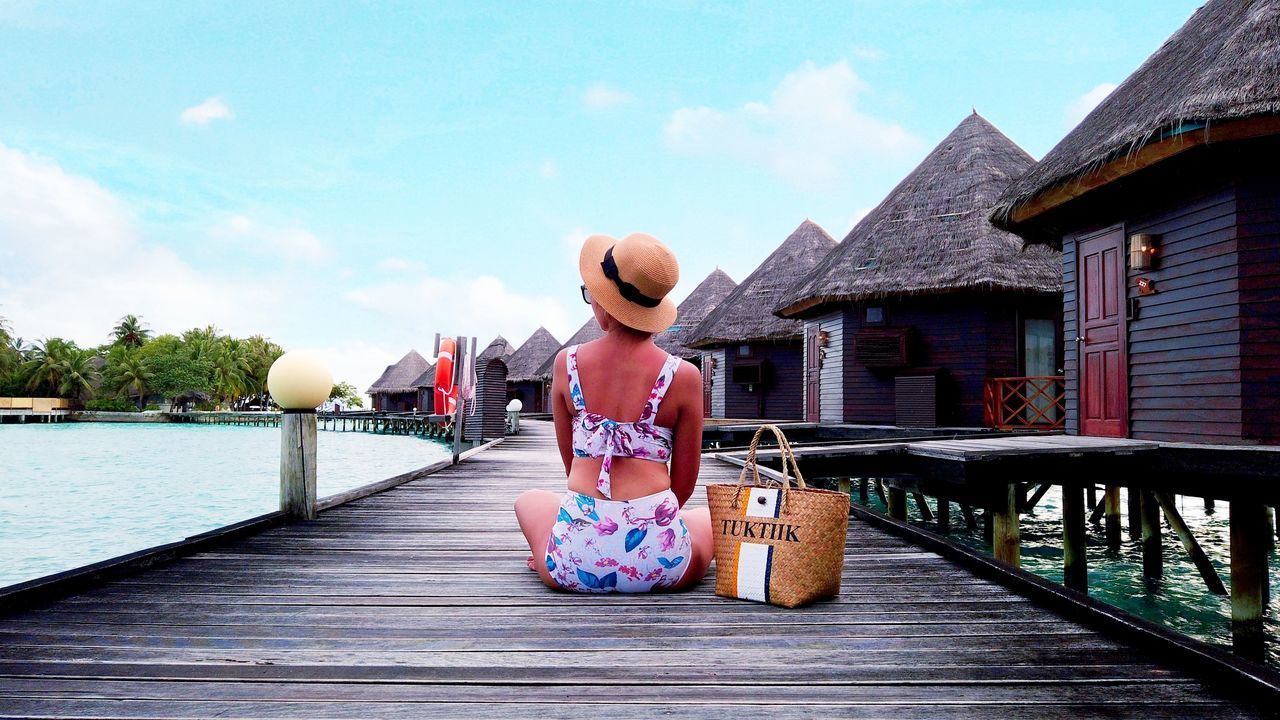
298	382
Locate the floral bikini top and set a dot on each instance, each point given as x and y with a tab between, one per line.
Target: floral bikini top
595	435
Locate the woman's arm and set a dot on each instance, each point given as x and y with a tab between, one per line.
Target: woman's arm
560	411
686	452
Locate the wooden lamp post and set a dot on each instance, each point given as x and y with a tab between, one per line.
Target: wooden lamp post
299	382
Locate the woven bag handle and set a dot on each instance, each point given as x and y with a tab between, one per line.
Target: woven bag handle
788	456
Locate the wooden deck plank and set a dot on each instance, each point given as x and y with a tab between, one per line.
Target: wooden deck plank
414	603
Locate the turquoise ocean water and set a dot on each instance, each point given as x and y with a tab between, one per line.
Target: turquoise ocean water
76	493
1181	603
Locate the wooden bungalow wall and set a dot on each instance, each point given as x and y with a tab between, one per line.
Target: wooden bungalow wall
717	381
530	394
1185	367
781	397
395	402
970	338
1258	232
831	374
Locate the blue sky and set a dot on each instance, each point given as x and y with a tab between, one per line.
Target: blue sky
353	178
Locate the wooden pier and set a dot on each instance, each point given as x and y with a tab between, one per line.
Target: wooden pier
416	603
378	423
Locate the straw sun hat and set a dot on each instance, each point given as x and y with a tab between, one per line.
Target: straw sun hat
630	279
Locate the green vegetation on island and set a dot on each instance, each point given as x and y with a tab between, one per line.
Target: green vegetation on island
202	369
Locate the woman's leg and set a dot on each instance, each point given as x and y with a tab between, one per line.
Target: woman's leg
536	512
698	520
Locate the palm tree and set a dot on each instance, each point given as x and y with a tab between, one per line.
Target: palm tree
232	376
130	331
129	373
59	367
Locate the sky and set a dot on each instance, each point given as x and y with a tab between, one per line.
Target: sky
352	178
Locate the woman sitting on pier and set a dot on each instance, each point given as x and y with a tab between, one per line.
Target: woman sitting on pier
620	526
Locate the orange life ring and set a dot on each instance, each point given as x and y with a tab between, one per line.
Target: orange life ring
446	394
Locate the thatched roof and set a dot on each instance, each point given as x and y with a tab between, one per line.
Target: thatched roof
693	310
589	331
746	314
427	378
523	364
400	377
931	234
498	348
1223	64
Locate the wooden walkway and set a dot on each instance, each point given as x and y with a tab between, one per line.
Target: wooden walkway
415	603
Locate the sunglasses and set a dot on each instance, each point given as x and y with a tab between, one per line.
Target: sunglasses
586	295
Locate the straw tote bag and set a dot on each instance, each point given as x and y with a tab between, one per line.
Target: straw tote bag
777	544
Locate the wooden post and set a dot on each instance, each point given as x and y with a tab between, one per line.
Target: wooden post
897	503
1093	496
1206	568
862	491
1006	542
298	464
926	514
1111	501
1208	506
1075	562
843	486
1248	575
1152	541
969	520
1135	514
989	527
944	515
460	352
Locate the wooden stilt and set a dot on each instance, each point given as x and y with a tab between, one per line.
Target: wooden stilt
1093	498
1111	503
880	492
969	520
926	513
1271	523
1036	497
1248	576
897	503
944	515
862	491
298	465
1075	563
843	486
1006	543
1189	543
988	527
1152	540
1134	498
1208	506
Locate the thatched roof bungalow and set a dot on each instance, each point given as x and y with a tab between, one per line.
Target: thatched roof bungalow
695	308
523	380
752	358
1175	171
491	392
396	389
925	300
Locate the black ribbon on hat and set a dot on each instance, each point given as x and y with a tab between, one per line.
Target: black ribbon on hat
629	291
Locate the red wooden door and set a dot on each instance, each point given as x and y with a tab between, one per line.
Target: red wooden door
812	372
1102	335
706	385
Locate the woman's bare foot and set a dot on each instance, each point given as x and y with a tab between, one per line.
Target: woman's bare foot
530	563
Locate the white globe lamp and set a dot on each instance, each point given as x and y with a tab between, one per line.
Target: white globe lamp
298	382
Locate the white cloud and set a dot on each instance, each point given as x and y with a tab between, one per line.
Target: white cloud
395	264
211	109
603	97
73	261
289	243
1083	105
481	306
549	169
810	131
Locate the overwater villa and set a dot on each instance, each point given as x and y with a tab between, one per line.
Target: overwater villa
491	391
523	381
695	308
924	304
752	359
1166	206
396	390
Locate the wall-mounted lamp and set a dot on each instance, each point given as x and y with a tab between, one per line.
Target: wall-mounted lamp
1142	251
824	338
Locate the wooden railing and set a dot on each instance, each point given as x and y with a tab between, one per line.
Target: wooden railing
1025	402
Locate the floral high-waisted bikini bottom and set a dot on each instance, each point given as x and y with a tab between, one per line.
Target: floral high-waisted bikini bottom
601	546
